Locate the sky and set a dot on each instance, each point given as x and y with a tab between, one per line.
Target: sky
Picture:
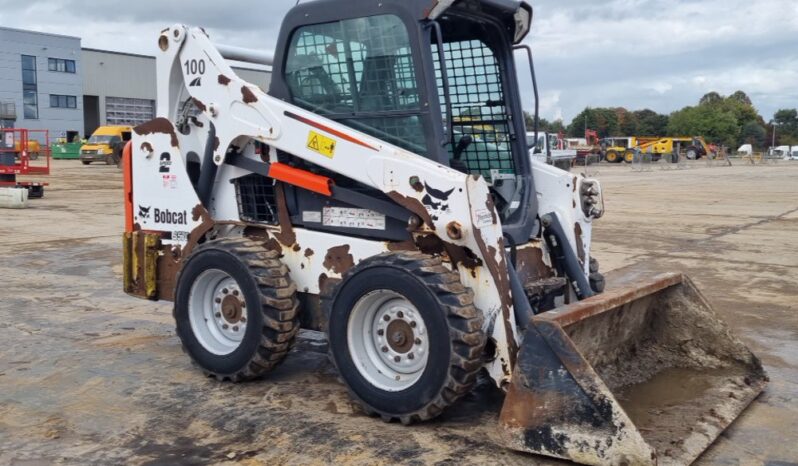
657	54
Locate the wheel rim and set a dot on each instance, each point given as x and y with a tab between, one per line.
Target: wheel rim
388	340
217	312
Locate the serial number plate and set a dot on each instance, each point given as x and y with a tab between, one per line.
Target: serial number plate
353	218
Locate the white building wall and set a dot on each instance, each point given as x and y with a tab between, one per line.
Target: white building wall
114	74
13	44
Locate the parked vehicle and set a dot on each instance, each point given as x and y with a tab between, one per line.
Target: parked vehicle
106	145
617	149
551	148
784	152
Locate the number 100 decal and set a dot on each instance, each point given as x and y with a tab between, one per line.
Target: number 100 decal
195	66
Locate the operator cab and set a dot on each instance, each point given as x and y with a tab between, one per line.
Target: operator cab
441	84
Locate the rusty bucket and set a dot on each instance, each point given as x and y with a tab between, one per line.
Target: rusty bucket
642	375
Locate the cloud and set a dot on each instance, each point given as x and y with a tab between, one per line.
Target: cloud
658	54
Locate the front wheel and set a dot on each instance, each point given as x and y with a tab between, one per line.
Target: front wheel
405	336
85	162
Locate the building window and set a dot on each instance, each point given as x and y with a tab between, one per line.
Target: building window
60	65
127	111
30	98
63	101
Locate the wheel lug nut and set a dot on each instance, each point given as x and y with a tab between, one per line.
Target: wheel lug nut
235	292
225	291
400	314
218	300
413	324
235	329
243	320
380	332
418	341
384	349
225	326
411	356
386	318
218	315
397	359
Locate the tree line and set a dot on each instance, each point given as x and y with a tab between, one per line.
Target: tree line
728	120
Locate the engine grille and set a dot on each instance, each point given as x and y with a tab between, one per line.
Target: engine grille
256	199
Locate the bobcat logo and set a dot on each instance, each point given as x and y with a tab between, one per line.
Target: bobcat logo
144	212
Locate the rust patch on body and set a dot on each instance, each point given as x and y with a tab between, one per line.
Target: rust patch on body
309	252
413	205
147	147
286	236
338	259
491	206
201	106
327	285
408	245
580	245
530	265
224	80
202	229
157	126
416	184
248	95
501	278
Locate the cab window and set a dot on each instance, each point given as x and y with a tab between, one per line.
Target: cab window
361	73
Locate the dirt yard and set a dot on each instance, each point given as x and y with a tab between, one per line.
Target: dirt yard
89	375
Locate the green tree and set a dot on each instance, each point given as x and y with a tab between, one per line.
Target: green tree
742	98
787	127
715	124
711	98
651	123
544	125
755	134
603	120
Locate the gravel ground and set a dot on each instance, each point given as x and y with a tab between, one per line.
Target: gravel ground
89	375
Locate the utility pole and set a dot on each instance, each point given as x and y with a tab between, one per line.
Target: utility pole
773	122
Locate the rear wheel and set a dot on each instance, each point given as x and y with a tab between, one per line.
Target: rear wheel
692	153
34	155
629	156
405	336
612	157
235	309
85	162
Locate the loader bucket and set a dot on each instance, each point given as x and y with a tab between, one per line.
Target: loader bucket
642	375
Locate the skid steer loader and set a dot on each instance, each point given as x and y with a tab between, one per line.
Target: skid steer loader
382	192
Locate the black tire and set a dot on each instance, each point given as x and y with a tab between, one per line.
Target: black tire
85	162
34	156
612	157
266	288
453	324
35	192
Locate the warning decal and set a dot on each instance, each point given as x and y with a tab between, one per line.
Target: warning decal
321	144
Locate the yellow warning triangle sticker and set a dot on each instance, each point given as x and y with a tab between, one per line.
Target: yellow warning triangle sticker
314	143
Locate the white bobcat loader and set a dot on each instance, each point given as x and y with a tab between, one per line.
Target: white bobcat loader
381	191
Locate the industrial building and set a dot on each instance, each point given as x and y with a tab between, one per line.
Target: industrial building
48	81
